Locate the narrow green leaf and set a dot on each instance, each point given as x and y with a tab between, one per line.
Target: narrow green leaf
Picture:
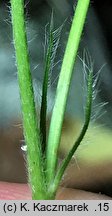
52	42
66	161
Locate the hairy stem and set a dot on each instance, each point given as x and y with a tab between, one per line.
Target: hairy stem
63	87
31	131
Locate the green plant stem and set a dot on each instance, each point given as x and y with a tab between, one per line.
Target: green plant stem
31	131
63	87
66	161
